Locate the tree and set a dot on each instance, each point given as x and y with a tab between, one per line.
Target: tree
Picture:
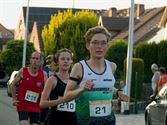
162	52
12	56
117	53
148	52
66	30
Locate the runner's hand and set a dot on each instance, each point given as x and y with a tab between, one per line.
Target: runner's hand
15	102
123	97
61	99
88	85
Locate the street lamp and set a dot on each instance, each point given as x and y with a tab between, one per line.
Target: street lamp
129	52
25	36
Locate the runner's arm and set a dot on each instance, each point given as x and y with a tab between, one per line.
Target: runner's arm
13	85
71	91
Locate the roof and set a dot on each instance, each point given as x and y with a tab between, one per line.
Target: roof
164	18
43	14
6	33
39	30
115	23
121	23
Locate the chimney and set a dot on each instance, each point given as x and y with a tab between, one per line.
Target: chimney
139	10
112	12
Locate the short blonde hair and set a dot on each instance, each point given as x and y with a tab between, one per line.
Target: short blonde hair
97	29
154	67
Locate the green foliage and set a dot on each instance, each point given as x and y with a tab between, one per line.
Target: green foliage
117	53
137	77
67	30
12	56
152	53
162	52
148	52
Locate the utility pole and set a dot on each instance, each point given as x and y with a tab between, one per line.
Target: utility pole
130	52
25	36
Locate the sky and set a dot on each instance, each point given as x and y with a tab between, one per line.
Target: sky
10	9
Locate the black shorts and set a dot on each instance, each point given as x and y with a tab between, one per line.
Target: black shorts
33	117
61	118
43	114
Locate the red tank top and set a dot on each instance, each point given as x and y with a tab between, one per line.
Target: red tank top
30	89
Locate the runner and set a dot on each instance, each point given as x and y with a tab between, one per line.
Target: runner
60	112
31	81
92	82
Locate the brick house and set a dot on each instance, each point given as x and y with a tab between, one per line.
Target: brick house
147	22
5	36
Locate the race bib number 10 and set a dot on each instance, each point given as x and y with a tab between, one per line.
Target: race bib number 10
31	96
67	106
100	108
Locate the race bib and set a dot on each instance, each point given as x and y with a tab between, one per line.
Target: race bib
100	108
31	96
67	106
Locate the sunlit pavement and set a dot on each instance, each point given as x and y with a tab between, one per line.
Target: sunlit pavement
130	119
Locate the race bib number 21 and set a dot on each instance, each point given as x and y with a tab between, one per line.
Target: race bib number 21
100	108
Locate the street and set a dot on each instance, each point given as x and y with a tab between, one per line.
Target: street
132	119
8	114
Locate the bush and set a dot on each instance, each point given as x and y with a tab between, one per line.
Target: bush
162	52
137	72
12	56
148	52
117	53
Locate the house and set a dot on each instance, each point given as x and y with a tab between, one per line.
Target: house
147	22
38	18
5	36
163	23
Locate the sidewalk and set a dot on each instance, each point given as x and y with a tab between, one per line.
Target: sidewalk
131	119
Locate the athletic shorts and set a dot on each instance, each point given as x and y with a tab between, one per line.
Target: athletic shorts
33	117
62	118
43	114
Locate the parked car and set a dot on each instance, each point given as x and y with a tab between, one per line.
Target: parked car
3	78
156	111
13	75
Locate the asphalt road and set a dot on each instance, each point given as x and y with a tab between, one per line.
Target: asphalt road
8	114
131	119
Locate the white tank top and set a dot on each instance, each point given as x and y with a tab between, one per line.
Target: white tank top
103	80
97	101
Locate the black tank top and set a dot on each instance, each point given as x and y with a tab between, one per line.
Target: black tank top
56	92
54	116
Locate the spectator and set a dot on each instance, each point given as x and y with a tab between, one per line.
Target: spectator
163	78
155	77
